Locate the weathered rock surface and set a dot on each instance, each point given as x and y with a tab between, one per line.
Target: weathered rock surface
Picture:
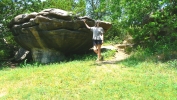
52	33
21	54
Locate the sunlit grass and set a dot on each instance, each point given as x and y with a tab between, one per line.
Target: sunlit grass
85	79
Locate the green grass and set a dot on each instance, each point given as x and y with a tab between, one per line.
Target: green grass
81	78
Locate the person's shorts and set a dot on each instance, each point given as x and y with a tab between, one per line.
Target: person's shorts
96	42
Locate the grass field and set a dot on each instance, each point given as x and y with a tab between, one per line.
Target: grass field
85	79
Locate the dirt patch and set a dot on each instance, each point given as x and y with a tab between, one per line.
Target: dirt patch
119	56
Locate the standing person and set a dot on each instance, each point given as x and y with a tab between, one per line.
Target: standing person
98	38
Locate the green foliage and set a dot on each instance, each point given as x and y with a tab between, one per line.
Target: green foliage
2	54
154	55
9	10
77	7
98	9
61	4
151	23
172	63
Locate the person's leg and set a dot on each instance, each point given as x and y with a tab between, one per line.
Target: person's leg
99	51
95	49
95	46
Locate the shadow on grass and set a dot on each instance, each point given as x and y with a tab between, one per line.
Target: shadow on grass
132	61
90	55
87	56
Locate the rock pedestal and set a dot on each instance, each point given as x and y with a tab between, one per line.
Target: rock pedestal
46	55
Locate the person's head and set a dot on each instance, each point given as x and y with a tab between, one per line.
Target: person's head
97	23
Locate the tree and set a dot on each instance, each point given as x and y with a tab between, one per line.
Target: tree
76	6
152	23
98	9
9	9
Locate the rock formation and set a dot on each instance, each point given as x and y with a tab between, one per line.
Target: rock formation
52	33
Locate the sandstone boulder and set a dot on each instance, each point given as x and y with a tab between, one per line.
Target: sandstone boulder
52	33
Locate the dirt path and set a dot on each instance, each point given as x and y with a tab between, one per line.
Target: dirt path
119	56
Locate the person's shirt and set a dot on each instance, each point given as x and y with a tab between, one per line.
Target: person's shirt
97	32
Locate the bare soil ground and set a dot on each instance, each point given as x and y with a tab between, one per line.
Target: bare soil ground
120	55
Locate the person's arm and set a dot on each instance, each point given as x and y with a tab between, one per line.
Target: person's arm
102	38
102	35
86	24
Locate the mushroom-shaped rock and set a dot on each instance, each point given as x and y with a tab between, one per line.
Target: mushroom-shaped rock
52	33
